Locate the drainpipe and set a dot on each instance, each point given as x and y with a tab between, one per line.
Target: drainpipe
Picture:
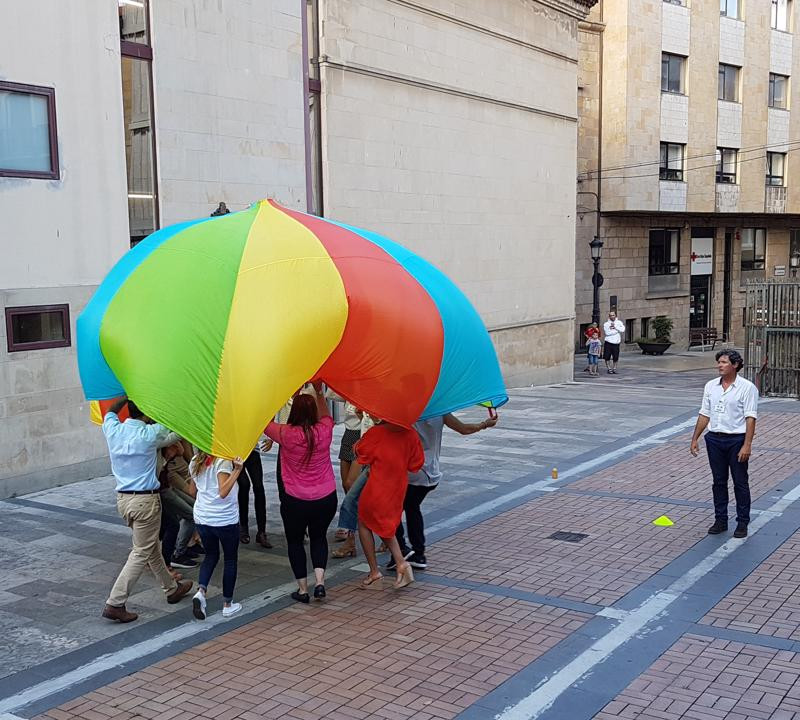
306	109
600	124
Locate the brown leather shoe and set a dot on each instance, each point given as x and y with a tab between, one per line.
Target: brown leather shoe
118	614
263	540
179	592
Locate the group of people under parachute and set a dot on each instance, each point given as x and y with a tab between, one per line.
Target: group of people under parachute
385	470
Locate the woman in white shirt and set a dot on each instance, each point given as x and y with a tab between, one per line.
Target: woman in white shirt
216	517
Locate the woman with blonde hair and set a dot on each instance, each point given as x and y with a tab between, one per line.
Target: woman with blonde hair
216	517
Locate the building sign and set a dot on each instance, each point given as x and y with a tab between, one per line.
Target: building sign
702	255
780	270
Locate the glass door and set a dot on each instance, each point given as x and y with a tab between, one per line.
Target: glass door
698	301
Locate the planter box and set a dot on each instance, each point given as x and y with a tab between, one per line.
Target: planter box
653	348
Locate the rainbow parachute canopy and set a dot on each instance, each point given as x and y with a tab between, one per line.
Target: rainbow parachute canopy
210	326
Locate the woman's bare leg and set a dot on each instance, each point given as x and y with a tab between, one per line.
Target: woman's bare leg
368	545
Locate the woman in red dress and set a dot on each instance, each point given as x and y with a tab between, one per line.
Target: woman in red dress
391	452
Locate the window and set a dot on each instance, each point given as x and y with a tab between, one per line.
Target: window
133	26
629	327
728	83
37	327
671	73
137	104
778	86
729	8
775	164
794	248
644	327
664	251
781	11
754	248
28	138
726	165
671	162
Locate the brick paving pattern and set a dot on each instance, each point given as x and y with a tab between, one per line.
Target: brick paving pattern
427	652
701	678
623	549
767	602
669	471
432	651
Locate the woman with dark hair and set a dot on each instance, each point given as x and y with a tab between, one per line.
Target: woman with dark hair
308	500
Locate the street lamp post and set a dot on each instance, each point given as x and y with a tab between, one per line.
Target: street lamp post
596	246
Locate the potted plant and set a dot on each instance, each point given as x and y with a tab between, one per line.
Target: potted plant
662	327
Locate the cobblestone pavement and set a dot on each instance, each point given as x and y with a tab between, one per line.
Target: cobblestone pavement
622	619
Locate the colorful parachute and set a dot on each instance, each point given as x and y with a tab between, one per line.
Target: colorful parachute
209	326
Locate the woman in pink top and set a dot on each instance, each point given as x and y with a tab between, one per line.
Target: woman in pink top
309	501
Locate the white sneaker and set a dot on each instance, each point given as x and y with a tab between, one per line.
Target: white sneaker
232	610
199	605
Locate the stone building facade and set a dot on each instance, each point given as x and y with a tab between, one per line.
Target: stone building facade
687	136
158	114
448	125
437	131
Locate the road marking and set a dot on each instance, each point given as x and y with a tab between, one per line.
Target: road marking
613	613
548	485
551	688
54	685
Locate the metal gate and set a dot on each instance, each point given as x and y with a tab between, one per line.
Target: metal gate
772	337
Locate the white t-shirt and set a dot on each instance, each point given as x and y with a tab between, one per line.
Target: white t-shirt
729	409
613	331
209	507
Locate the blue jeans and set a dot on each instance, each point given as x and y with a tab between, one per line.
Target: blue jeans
348	511
723	450
212	536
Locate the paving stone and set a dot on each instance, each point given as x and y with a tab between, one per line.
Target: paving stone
622	549
767	602
728	696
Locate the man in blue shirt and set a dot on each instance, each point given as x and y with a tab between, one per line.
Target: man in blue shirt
132	446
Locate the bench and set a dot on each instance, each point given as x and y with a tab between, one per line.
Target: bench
703	336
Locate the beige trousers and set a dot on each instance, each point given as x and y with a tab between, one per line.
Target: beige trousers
142	513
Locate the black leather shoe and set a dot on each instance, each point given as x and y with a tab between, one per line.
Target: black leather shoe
319	592
741	530
718	527
301	597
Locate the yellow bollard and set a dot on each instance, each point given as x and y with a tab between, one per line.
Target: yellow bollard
554	474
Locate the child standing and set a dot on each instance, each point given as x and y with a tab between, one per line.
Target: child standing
593	351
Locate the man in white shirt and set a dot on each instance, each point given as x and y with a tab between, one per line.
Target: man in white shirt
613	332
132	446
729	411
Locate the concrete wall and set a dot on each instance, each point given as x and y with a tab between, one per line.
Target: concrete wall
59	237
430	139
229	104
